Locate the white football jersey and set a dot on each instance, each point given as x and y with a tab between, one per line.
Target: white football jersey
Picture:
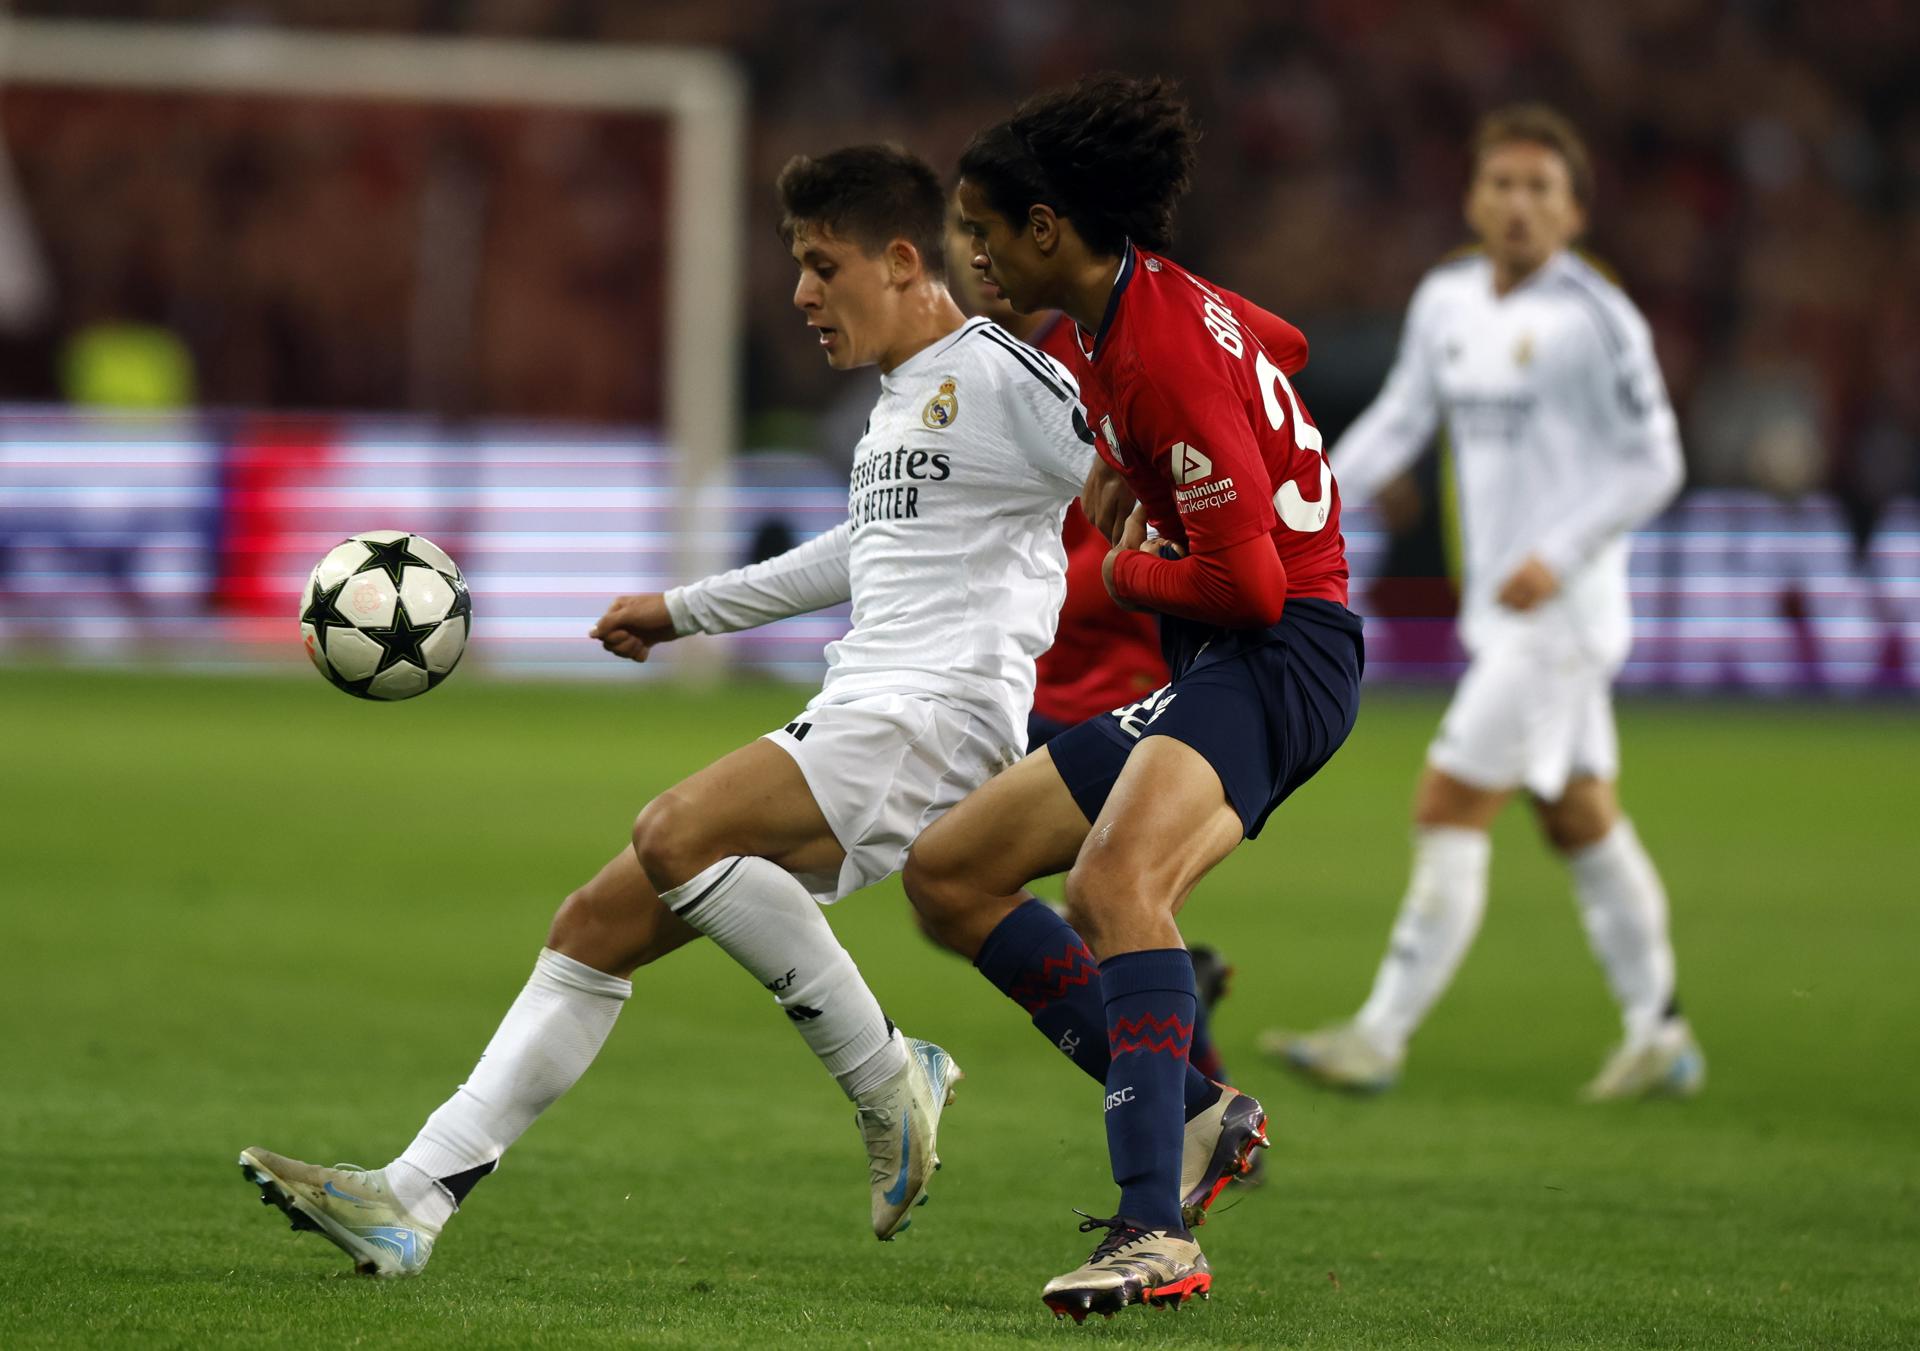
951	553
1562	436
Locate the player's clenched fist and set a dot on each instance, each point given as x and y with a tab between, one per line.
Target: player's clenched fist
1134	535
634	625
1106	499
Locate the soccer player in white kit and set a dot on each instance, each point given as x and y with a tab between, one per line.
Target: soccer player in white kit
1563	442
951	556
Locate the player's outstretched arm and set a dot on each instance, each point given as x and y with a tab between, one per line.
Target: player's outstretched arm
808	577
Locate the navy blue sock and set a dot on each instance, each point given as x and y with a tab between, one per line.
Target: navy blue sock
1035	958
1150	1007
1205	1056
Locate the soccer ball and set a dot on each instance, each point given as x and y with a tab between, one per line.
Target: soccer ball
385	615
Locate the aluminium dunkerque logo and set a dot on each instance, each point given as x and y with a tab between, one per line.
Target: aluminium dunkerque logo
1190	464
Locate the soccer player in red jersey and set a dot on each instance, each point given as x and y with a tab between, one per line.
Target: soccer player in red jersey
1236	545
1103	656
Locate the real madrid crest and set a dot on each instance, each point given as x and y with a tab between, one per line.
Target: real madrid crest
1523	351
942	408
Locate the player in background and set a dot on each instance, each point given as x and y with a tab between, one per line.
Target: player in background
1563	441
1102	656
973	450
1067	204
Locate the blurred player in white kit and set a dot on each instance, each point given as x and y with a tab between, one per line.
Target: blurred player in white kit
1564	443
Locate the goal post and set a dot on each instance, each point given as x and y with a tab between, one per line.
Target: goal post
701	93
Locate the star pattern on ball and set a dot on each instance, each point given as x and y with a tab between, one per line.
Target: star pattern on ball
391	558
323	613
401	640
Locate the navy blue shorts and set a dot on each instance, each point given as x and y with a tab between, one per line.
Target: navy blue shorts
1266	707
1041	729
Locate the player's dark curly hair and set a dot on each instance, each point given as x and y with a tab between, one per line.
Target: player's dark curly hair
1112	153
870	195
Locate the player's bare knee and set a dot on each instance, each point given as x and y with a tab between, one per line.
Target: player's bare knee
938	892
1570	837
1576	822
929	931
1099	920
1441	800
1105	897
922	883
670	842
1084	917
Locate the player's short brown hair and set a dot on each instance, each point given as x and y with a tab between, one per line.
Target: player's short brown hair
869	195
1537	124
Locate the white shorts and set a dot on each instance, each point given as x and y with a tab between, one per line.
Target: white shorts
1531	715
883	769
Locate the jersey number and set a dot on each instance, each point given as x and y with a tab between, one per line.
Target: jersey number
1296	512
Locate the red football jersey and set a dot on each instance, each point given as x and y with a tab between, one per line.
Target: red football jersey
1193	407
1103	657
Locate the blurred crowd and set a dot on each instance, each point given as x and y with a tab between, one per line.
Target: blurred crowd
1758	163
301	254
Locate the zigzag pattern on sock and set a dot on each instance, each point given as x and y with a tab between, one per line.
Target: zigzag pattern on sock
1125	1035
1056	975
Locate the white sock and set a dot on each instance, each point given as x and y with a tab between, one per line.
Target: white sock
544	1044
1446	898
761	916
1625	911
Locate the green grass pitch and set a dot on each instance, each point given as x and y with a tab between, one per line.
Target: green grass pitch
253	911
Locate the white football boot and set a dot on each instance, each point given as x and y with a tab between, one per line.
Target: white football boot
1669	1064
350	1208
900	1122
1220	1145
1131	1265
1335	1057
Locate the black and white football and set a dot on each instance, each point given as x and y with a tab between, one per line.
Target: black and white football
385	615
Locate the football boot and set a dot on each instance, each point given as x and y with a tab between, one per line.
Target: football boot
349	1207
1131	1265
1221	1144
900	1122
1669	1064
1335	1057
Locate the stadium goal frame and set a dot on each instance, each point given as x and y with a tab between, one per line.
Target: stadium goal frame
702	92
